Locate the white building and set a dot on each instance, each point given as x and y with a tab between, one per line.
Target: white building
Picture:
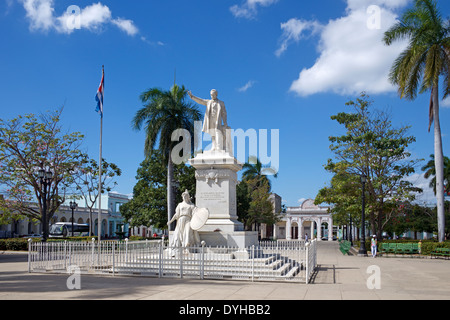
307	220
111	219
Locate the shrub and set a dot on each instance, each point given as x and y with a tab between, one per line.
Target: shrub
16	244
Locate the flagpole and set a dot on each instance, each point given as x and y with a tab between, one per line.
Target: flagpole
100	172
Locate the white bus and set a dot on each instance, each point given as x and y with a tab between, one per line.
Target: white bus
64	230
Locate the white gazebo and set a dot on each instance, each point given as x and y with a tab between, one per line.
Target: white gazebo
308	220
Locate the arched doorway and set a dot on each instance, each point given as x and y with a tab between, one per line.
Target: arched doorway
294	230
324	230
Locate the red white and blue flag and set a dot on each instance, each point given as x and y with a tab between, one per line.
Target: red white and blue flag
100	94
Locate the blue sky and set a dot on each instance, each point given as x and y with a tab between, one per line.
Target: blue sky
277	64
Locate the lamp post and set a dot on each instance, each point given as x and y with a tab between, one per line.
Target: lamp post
45	178
73	206
362	249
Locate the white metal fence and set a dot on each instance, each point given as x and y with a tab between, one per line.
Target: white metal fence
269	261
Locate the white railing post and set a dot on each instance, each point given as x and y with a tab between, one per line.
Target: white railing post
202	266
29	254
307	262
93	249
253	263
180	253
161	244
65	254
126	250
113	258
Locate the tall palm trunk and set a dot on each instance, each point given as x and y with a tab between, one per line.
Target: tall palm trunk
439	163
170	193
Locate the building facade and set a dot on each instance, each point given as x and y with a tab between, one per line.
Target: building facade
308	221
112	221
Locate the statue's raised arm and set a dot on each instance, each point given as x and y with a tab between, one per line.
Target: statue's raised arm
198	100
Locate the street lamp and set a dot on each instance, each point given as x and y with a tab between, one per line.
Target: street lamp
45	178
73	206
362	249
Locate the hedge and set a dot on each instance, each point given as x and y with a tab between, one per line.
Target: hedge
21	244
16	244
428	246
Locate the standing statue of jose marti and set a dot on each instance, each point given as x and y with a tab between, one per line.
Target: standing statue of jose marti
215	122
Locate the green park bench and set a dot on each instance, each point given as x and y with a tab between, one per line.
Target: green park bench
345	246
392	248
400	248
441	252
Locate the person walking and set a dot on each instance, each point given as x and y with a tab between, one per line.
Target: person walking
373	246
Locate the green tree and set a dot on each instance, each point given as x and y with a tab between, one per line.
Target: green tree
253	192
149	204
260	209
242	201
430	171
86	181
344	193
418	69
372	147
253	169
29	144
163	113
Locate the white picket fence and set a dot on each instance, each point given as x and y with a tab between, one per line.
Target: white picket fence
269	261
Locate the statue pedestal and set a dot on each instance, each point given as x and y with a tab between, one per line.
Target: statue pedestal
216	176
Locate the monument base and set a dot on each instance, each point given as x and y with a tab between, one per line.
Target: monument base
222	225
239	239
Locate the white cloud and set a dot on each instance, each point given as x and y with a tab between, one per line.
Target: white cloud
445	103
127	26
353	57
293	31
40	14
419	181
93	18
157	43
249	8
247	86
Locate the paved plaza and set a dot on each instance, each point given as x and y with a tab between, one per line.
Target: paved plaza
338	277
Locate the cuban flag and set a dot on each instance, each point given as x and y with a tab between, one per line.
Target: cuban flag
100	94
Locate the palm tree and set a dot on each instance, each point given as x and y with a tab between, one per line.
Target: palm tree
425	60
430	171
162	114
254	169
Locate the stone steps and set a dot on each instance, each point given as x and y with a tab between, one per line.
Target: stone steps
271	267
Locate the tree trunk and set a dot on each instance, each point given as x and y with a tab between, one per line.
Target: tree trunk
170	193
439	164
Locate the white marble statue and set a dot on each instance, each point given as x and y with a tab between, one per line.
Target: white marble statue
215	122
184	236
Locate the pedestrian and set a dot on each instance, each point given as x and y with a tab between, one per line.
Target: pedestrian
306	238
373	246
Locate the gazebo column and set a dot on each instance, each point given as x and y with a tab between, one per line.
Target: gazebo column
289	229
319	229
301	231
330	228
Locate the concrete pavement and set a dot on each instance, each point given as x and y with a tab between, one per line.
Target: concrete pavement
338	277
